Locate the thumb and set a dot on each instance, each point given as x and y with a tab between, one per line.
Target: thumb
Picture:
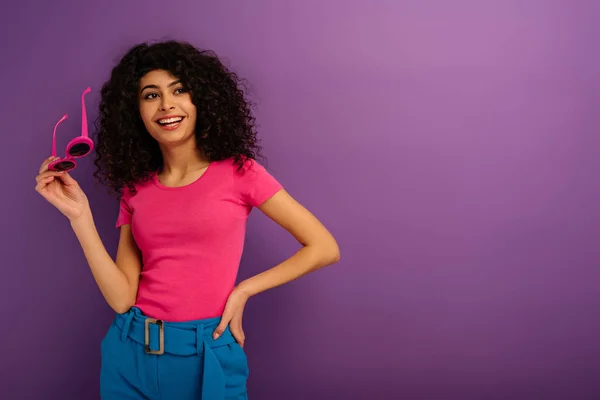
220	329
68	179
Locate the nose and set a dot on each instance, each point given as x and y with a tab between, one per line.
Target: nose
166	103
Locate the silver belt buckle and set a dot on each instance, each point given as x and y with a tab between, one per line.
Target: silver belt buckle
161	333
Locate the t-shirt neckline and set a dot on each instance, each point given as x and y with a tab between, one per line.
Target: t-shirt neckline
194	182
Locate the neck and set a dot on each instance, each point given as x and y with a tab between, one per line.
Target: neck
180	159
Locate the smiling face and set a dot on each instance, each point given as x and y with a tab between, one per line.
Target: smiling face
166	108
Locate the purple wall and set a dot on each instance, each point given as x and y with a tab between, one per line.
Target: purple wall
450	146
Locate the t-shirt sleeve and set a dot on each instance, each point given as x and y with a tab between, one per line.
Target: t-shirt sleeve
125	211
256	185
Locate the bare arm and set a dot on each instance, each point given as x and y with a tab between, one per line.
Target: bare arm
319	248
118	281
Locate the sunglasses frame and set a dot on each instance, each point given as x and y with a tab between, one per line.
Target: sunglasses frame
68	162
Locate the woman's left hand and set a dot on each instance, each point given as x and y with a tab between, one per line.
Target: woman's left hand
232	316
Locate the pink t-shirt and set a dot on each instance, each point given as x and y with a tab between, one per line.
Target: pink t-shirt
191	237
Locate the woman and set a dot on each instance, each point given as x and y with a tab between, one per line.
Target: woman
176	141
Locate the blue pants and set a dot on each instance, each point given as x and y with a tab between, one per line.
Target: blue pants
180	361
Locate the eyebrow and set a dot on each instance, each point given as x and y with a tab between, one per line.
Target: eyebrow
156	87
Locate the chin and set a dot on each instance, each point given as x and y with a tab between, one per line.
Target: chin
173	138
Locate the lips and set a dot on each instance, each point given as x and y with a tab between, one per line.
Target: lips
170	122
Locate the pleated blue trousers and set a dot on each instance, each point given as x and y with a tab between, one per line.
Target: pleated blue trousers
143	358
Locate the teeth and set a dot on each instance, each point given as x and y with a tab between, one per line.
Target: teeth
170	120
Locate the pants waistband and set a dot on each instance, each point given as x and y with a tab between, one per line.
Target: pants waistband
182	339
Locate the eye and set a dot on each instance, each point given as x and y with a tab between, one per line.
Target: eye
149	96
180	90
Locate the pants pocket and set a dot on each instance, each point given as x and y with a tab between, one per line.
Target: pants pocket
234	363
107	337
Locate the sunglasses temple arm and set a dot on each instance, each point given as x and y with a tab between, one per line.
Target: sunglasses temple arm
54	135
54	140
84	123
84	130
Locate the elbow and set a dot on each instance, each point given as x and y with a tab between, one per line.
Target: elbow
123	306
325	251
332	253
335	255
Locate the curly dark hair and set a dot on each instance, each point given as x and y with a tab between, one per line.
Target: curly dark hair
126	153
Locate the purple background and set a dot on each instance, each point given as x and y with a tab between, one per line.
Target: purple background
451	147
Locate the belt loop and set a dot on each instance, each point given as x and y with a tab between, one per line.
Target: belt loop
126	325
199	338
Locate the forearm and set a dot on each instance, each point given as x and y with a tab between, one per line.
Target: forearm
307	259
111	281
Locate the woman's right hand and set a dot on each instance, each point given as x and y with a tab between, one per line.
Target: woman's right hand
62	191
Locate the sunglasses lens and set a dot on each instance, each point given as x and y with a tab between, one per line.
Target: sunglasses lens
64	166
79	149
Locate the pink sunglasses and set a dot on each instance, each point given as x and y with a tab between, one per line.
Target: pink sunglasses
78	147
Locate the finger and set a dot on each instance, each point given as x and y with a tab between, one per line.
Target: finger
47	174
46	162
238	335
68	179
220	328
43	183
235	326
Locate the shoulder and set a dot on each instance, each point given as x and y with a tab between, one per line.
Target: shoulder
139	187
242	169
242	164
252	181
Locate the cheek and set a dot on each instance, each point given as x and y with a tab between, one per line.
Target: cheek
191	112
147	114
